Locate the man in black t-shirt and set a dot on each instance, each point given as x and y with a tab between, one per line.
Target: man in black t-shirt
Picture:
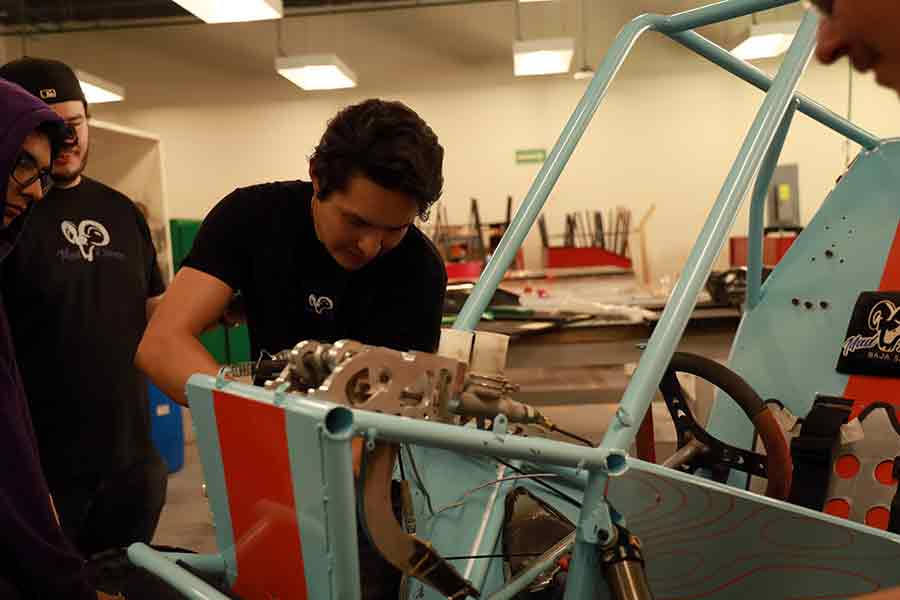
335	258
79	288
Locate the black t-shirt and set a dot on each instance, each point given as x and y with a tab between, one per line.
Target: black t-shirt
76	288
261	241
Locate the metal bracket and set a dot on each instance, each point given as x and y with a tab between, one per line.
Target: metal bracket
222	376
596	526
280	393
500	425
371	436
624	417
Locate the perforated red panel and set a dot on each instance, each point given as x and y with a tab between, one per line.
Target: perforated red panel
878	517
884	472
837	507
847	466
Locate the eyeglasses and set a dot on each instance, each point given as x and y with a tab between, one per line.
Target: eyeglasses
826	6
26	172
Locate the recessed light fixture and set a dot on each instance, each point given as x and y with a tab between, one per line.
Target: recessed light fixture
233	11
543	57
316	71
97	90
766	41
584	73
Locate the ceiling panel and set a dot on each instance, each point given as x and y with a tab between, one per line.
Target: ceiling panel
47	12
464	39
54	12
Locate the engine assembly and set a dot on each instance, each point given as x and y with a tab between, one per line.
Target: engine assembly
409	384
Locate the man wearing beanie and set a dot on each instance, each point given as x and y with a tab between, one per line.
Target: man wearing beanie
79	288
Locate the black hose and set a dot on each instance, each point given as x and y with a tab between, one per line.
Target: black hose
569	434
561	494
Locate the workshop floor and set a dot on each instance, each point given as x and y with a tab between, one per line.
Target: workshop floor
186	521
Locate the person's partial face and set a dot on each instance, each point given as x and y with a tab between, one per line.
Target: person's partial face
23	188
72	160
868	33
362	222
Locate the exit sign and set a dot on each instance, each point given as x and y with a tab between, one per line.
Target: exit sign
532	155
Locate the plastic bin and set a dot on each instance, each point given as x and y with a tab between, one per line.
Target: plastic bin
166	429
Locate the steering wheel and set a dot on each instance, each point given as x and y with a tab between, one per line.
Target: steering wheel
698	449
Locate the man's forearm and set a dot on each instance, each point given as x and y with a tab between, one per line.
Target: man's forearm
151	304
170	360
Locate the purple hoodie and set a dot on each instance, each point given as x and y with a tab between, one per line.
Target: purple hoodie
35	557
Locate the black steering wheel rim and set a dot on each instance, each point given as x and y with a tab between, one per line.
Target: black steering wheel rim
719	457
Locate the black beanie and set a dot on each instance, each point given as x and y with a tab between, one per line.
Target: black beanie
50	80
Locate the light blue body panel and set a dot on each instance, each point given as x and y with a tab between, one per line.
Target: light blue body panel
702	539
454	530
787	351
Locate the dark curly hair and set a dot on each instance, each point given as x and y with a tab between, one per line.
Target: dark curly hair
386	142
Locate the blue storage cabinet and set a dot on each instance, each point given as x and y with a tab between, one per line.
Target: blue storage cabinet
166	429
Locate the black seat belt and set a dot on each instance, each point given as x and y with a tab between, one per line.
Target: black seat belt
811	450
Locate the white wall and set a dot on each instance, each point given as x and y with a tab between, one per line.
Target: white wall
666	134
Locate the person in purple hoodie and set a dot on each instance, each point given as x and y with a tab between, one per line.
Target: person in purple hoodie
36	560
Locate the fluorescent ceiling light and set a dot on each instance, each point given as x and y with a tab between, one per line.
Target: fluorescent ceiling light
766	41
233	11
584	72
97	89
316	71
543	57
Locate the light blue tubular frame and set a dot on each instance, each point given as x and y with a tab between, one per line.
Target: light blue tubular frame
160	564
592	466
757	158
758	207
760	139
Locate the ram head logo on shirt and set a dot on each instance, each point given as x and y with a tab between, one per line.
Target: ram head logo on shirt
320	304
87	236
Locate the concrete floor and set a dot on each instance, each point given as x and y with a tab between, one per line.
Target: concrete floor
186	521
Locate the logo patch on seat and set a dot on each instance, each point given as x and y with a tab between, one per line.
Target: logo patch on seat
872	343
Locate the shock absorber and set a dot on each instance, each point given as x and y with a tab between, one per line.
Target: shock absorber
622	564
